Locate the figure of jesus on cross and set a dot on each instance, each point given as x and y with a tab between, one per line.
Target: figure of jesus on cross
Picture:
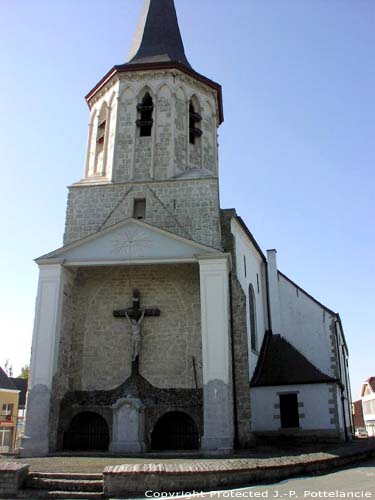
135	316
136	334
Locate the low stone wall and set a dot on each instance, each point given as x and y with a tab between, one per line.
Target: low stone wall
125	481
12	477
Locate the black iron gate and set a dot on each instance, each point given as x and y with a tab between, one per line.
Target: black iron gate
87	431
175	431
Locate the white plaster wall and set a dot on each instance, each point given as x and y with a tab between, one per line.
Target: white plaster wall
306	325
215	318
254	266
314	397
369	418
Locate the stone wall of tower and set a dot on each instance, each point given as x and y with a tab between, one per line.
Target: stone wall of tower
188	208
101	347
167	153
179	180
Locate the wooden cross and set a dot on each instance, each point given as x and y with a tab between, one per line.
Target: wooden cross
135	312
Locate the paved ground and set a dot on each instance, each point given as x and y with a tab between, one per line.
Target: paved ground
354	482
259	457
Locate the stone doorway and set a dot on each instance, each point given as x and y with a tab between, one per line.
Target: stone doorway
175	431
87	431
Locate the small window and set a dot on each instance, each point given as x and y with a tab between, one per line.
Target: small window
289	411
145	121
5	437
139	211
7	409
253	319
194	119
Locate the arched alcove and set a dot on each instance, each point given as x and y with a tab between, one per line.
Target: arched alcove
87	431
175	430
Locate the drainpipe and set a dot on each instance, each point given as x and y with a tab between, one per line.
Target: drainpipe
236	444
341	383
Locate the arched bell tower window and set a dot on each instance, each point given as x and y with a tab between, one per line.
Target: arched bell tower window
194	119
253	320
145	110
100	141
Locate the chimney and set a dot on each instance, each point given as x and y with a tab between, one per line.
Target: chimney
273	291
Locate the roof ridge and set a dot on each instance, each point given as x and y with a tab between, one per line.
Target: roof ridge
330	311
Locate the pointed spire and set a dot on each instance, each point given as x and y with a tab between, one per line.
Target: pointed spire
158	37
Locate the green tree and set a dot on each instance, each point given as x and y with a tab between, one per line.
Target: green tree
25	371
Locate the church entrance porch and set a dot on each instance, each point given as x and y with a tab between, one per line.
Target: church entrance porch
153	331
175	431
87	431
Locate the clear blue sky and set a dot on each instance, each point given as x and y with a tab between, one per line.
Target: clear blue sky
297	148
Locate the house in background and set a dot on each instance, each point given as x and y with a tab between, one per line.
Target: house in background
368	405
358	420
9	397
21	385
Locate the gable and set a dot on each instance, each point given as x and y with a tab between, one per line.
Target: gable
130	241
368	387
6	382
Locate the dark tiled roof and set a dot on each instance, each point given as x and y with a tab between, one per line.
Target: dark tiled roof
6	382
281	364
21	385
371	383
158	38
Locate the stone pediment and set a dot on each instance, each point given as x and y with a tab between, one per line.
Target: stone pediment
129	241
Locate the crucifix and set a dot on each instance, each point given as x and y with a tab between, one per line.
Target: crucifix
135	316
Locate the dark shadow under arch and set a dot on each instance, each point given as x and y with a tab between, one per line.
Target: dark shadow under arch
88	431
175	430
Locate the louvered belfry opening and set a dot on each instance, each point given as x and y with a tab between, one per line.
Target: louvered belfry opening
194	119
145	122
175	431
87	431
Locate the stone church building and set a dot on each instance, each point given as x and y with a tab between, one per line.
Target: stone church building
160	324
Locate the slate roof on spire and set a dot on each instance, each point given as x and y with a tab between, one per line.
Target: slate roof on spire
158	45
158	38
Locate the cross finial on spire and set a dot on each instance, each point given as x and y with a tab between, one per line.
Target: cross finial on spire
158	37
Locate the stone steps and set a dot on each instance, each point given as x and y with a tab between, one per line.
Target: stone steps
31	494
65	475
63	485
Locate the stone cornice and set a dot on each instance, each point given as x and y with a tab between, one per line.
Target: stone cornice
134	68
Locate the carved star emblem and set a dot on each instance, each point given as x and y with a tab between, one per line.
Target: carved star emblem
131	243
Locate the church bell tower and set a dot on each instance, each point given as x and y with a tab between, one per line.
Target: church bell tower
132	329
152	142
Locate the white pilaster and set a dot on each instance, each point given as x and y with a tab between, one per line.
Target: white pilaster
273	292
216	353
44	354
